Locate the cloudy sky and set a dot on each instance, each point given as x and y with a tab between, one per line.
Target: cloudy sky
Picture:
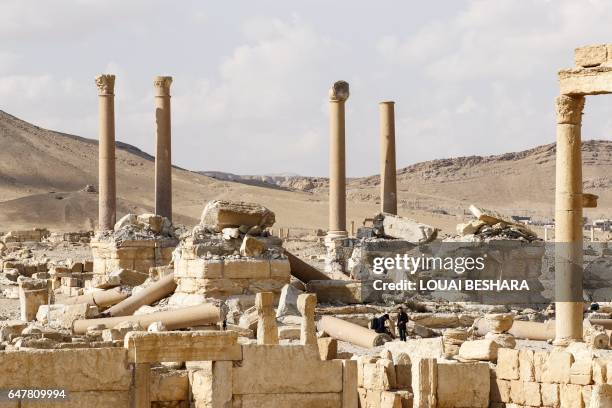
251	77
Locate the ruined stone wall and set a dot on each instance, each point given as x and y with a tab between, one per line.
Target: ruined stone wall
138	255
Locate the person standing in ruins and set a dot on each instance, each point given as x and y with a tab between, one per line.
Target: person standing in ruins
402	321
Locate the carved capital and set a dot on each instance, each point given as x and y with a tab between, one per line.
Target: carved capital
339	92
162	85
569	109
105	84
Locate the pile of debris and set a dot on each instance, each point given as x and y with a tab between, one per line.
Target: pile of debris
390	226
138	227
489	226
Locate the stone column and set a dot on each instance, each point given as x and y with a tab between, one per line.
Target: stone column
267	332
338	94
568	221
306	303
388	184
163	142
107	191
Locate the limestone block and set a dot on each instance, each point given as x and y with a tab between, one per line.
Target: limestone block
169	385
599	371
403	228
485	350
105	281
500	390
417	348
332	291
270	369
586	394
280	269
306	303
32	294
540	358
570	396
507	364
533	397
403	371
66	368
517	392
216	288
292	400
291	332
601	396
246	269
585	81
11	328
550	394
264	285
149	347
499	322
59	315
557	367
463	385
590	56
349	384
328	348
526	365
424	382
129	277
267	332
211	386
287	304
581	372
219	214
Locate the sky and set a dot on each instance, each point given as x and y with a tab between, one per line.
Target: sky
251	78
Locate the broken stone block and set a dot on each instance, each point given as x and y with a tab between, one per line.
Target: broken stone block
379	375
211	386
252	247
599	371
154	222
470	228
126	220
62	316
499	322
557	367
484	350
11	328
424	382
231	233
306	303
403	373
287	305
267	332
219	214
105	281
590	56
128	277
507	364
289	332
395	226
504	340
390	399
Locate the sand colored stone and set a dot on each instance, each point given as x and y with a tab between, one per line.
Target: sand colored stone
163	146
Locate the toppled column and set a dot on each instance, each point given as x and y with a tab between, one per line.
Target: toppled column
107	194
568	220
267	333
32	294
306	303
338	94
158	290
102	299
163	141
351	332
388	183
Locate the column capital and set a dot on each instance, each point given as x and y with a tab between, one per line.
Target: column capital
105	84
339	92
569	109
162	85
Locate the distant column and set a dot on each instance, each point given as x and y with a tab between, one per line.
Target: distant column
107	205
568	221
388	184
163	154
338	94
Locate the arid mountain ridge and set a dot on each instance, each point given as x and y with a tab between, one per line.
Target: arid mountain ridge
43	173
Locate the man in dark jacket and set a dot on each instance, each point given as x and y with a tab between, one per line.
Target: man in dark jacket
402	321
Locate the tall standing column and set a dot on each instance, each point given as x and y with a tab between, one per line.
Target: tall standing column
388	183
163	154
338	94
107	205
568	221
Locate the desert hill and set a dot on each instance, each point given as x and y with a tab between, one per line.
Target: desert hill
43	174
